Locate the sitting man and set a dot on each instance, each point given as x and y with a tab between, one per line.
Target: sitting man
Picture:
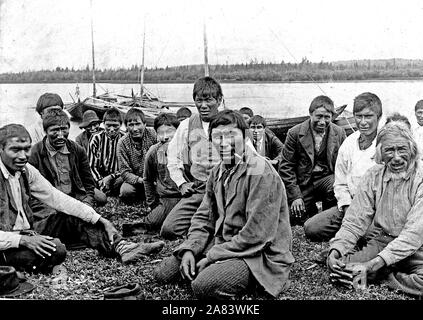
32	244
418	129
266	143
390	196
191	157
102	154
63	162
161	192
308	161
183	113
398	117
91	125
240	235
131	150
46	102
247	114
355	157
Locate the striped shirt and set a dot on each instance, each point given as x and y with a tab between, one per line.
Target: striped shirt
102	155
131	155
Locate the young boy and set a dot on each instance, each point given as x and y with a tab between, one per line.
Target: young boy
161	192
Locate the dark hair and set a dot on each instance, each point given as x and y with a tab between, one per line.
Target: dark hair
418	105
368	100
226	117
165	119
55	117
207	86
322	101
247	111
12	130
258	120
133	113
183	111
398	117
48	100
112	114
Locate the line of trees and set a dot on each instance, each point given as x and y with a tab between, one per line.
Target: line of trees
251	71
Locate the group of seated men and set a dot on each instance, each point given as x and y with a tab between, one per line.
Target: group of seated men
223	182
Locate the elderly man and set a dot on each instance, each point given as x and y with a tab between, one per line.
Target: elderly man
240	235
46	102
308	160
390	196
63	162
37	244
191	157
131	150
355	157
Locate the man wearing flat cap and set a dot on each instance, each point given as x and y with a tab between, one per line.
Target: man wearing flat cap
91	125
308	161
46	102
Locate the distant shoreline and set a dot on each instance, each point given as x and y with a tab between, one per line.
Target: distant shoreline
221	81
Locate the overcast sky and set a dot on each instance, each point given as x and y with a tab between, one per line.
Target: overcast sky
37	34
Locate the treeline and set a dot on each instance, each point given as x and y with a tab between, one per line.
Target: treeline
251	71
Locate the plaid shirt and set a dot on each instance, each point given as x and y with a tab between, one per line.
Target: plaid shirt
102	155
131	156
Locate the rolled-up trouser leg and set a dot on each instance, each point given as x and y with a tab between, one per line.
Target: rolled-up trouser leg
26	259
222	280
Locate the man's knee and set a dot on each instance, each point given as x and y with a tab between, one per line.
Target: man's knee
127	191
167	271
204	287
100	197
312	229
168	230
59	255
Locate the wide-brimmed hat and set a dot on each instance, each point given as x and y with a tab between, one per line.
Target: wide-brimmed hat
88	117
11	285
128	291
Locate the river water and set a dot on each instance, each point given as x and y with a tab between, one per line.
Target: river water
17	101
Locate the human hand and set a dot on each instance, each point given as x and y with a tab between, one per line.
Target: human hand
109	228
274	162
140	180
187	267
104	183
186	188
344	209
41	245
337	267
298	208
202	264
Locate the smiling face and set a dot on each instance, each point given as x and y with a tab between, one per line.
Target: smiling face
135	127
366	121
320	119
229	141
165	133
207	106
93	127
419	116
15	153
396	153
112	128
57	135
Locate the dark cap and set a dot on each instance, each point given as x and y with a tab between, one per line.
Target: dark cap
48	100
88	117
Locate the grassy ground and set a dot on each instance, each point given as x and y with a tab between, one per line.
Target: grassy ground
90	274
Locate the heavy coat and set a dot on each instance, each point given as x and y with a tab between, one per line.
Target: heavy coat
297	161
251	222
272	146
81	177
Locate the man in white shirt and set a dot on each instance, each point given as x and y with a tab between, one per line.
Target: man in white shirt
37	245
191	157
418	129
355	157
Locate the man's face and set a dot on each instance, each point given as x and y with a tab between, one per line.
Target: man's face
57	135
228	140
44	111
366	121
257	130
396	153
15	153
207	106
320	119
419	116
112	128
135	127
165	133
92	128
246	117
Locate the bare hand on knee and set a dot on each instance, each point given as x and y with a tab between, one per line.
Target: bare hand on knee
109	228
298	208
41	245
187	267
202	264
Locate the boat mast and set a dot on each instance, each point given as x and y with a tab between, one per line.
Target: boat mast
92	47
206	60
142	65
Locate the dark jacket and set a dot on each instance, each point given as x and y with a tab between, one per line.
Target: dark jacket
272	146
82	180
297	161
